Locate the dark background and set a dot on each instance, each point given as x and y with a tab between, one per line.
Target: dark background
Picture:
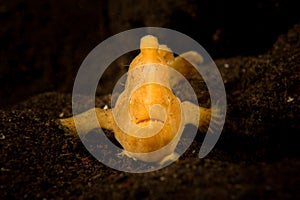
256	47
44	42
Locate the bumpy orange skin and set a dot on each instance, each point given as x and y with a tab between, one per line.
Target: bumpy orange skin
141	101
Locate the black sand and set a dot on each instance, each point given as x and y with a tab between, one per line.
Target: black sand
256	157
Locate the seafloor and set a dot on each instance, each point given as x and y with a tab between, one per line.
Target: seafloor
256	157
